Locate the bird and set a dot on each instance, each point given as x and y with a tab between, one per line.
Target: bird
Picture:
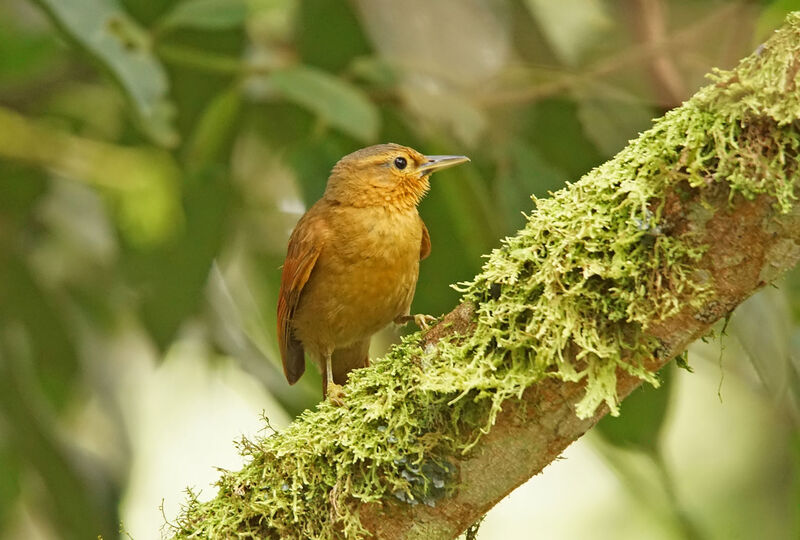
352	262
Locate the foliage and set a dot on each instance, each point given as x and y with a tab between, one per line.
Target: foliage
155	153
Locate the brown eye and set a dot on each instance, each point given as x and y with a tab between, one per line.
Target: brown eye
400	163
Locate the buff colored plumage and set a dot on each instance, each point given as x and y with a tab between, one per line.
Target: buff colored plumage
353	261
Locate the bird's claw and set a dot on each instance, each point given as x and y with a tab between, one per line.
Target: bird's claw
335	394
424	321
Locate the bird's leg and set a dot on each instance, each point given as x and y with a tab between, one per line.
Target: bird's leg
420	319
334	391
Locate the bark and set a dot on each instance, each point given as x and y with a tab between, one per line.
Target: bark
726	187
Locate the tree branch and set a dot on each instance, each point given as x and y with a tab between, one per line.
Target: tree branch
611	278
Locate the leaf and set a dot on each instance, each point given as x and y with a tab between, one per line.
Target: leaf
215	129
41	333
339	103
172	277
573	27
206	15
108	34
9	483
26	51
144	181
328	34
375	71
642	417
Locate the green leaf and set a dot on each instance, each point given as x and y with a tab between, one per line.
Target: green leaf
215	129
112	38
43	336
328	34
375	71
337	102
206	15
642	417
284	126
143	181
573	27
25	52
9	483
172	277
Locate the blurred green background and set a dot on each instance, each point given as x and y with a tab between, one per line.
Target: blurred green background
155	154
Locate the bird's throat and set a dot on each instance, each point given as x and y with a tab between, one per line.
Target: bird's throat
401	196
408	193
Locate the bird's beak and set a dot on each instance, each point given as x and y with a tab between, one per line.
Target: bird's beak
437	163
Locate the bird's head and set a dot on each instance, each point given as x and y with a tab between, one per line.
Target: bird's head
388	175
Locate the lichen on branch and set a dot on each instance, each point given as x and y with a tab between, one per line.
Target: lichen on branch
573	297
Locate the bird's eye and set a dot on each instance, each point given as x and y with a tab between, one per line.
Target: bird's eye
400	163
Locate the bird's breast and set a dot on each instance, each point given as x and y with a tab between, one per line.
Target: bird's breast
383	240
365	276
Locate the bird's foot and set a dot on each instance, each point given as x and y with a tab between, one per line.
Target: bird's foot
335	394
424	321
420	319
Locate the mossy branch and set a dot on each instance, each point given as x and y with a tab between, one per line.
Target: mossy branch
611	278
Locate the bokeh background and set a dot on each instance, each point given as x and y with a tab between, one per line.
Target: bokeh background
155	154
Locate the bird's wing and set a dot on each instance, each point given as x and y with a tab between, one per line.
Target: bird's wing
425	247
305	246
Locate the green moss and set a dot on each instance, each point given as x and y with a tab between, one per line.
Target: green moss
569	297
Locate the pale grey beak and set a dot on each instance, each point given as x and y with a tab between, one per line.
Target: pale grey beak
437	163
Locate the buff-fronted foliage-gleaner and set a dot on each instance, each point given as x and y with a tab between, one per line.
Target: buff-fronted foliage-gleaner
353	262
